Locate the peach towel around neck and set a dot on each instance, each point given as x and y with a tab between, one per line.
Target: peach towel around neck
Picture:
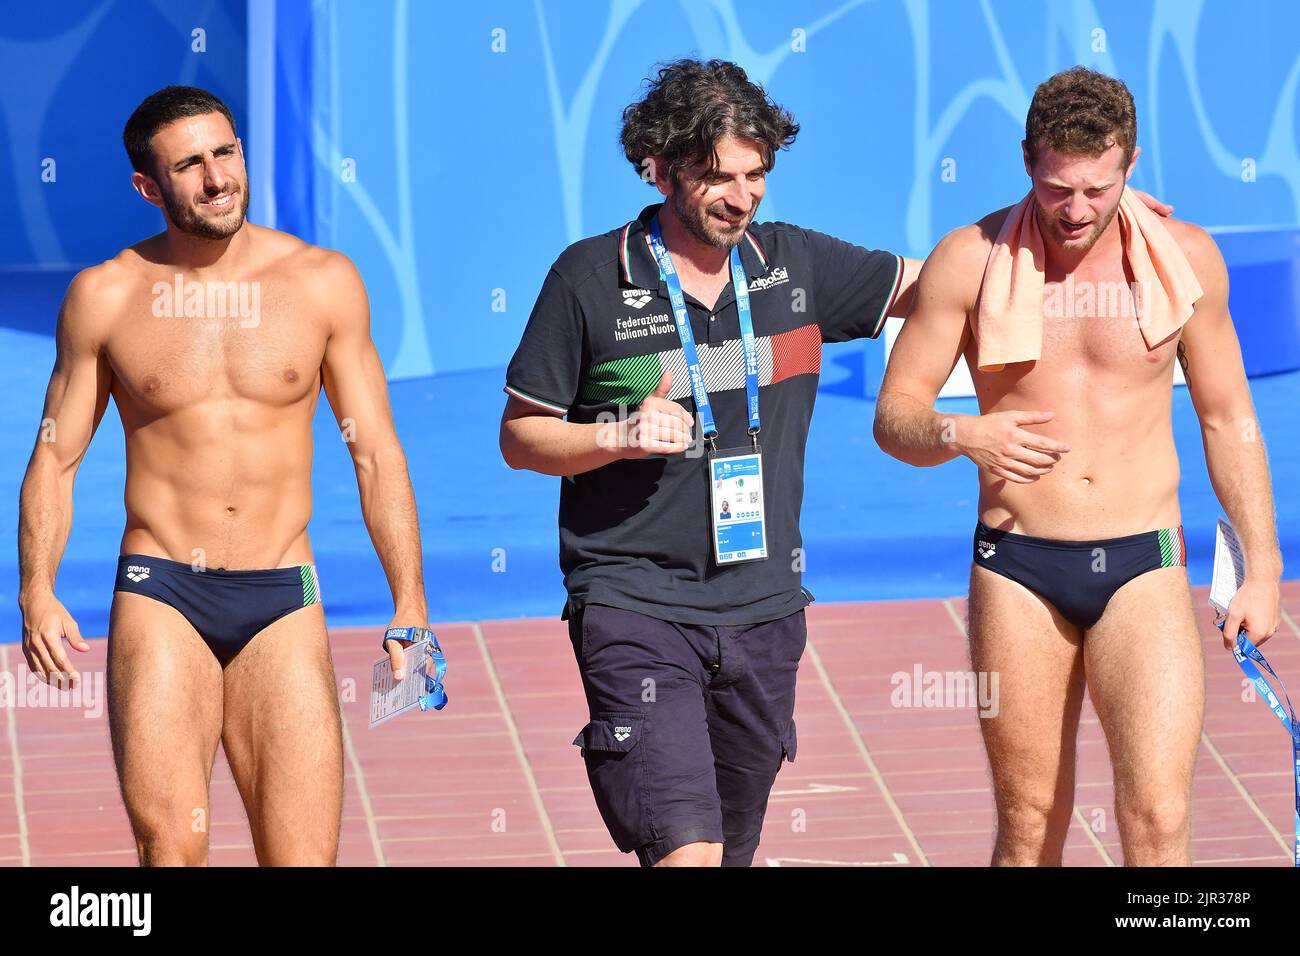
1009	318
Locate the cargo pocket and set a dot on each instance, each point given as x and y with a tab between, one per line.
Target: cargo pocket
789	743
616	769
610	735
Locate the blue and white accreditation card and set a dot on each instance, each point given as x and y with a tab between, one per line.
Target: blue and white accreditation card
390	698
736	486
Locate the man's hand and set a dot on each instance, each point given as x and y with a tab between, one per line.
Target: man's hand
658	426
1256	607
45	623
1152	203
1000	444
397	649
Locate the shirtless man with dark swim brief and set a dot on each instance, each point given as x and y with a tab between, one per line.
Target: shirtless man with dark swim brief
214	339
1078	573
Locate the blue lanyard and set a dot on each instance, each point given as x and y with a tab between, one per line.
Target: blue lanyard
434	695
668	273
1247	655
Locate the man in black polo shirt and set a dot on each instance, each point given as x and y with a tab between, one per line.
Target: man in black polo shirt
688	623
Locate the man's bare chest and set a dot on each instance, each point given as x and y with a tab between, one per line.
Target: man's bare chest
167	355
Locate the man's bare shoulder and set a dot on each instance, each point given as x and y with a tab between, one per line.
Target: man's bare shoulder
959	258
969	245
323	281
97	297
281	252
1201	250
992	224
108	279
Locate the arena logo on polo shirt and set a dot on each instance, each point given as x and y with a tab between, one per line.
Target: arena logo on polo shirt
637	298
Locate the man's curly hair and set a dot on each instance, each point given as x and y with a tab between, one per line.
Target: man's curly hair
692	105
1083	112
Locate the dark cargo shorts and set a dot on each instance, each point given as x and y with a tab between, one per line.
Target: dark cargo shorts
689	724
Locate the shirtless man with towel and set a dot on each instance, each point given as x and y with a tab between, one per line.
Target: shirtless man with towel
1070	308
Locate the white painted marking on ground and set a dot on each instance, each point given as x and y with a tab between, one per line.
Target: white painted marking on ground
1285	844
814	788
1093	839
364	794
20	806
524	765
900	859
1295	628
861	745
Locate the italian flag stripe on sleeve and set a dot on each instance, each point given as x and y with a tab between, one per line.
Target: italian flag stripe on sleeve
534	400
893	294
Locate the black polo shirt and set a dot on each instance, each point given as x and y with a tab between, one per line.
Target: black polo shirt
635	533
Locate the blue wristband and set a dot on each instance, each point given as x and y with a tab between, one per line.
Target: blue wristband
412	634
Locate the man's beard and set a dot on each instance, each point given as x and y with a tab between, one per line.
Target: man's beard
185	218
696	221
1049	225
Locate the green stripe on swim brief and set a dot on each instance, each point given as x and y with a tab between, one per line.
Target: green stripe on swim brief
1170	548
310	592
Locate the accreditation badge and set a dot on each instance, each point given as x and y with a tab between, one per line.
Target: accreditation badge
736	493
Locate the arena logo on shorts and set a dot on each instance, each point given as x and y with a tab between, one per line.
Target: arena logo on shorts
987	548
136	572
637	298
622	733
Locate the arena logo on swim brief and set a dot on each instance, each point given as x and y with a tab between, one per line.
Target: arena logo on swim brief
136	572
945	690
75	908
987	548
209	300
87	696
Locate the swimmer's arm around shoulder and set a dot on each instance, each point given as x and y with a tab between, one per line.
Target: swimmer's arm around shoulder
75	401
1234	443
924	355
357	390
905	301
